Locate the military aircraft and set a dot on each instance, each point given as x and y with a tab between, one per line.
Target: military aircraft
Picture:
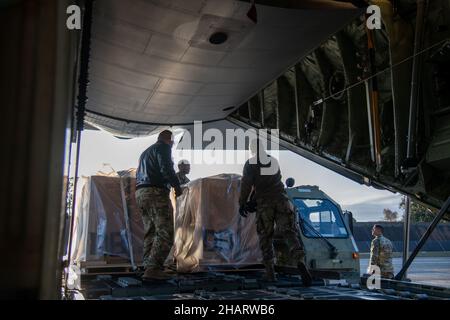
360	87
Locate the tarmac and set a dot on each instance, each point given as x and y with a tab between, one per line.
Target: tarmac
426	270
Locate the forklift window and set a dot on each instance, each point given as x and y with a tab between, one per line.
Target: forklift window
320	217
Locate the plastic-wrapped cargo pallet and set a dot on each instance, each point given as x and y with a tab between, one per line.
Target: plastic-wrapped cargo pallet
100	231
209	229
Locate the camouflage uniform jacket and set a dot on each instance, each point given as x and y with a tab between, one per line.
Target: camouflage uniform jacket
182	178
267	187
381	254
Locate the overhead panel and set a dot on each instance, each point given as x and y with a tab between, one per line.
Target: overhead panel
157	62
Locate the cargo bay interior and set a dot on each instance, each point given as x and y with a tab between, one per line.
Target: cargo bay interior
371	105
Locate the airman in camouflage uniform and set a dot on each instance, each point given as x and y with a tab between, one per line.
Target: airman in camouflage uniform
381	252
184	167
273	207
156	210
154	177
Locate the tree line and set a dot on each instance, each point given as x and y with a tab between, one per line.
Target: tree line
418	212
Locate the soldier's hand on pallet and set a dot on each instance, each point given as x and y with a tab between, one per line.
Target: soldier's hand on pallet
243	212
178	191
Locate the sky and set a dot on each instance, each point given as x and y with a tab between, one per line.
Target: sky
366	203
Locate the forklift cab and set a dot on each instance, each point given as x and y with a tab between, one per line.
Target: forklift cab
330	248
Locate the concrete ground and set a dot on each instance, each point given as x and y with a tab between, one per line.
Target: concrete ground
428	270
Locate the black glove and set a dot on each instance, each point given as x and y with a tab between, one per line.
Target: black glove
178	191
250	206
243	212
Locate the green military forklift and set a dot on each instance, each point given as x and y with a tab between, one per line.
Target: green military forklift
326	234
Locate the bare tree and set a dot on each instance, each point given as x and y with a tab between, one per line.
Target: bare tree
390	215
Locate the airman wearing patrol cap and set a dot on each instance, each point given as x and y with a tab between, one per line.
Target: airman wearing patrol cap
184	167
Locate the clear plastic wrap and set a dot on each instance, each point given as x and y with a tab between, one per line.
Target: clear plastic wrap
209	229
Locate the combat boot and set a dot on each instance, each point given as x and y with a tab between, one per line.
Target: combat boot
304	272
155	274
270	272
170	271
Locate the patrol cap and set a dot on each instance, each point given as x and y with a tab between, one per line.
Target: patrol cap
183	162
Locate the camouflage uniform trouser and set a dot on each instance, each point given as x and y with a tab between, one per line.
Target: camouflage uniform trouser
277	212
156	210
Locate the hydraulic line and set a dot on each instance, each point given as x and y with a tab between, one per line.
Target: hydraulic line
417	61
81	112
351	86
374	114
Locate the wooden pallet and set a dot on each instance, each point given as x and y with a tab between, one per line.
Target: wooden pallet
102	267
229	267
